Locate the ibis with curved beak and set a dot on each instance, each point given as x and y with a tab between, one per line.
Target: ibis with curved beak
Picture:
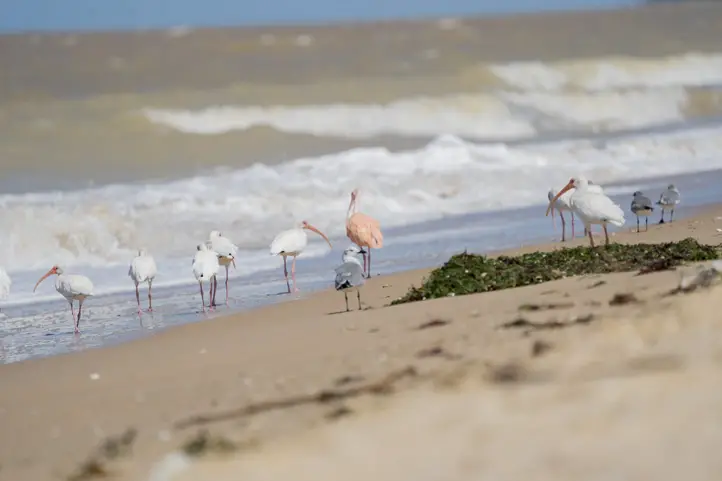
591	207
73	287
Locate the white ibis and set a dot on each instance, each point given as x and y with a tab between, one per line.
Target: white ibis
291	243
641	206
591	207
668	201
5	284
205	268
226	255
143	269
561	205
350	274
73	287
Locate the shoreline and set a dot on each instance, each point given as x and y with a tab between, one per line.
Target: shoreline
68	403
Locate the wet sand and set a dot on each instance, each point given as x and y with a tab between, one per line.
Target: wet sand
55	411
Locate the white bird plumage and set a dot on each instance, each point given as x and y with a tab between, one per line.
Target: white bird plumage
562	204
226	251
5	283
143	269
292	242
350	274
205	268
591	207
668	201
73	287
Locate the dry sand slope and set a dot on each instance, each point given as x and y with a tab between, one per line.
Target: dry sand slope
427	390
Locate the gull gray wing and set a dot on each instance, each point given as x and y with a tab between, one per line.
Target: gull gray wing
641	203
348	274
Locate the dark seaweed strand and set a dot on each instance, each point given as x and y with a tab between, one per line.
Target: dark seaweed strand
471	273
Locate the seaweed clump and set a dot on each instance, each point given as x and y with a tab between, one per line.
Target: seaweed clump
472	273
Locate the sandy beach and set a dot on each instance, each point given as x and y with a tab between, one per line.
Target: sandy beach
453	130
56	412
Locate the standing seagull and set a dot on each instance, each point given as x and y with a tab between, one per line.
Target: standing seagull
590	207
642	205
72	287
226	255
364	231
669	200
143	269
205	268
350	275
292	242
5	284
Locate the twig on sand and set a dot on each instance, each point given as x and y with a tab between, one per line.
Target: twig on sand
383	386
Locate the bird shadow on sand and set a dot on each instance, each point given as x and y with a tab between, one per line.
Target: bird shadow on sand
343	311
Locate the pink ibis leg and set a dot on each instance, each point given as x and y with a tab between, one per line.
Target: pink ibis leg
606	235
226	284
365	263
80	308
564	226
285	273
150	297
293	274
368	274
72	308
215	291
137	297
589	232
572	225
203	298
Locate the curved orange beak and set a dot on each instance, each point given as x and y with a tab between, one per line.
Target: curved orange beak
312	228
570	185
52	271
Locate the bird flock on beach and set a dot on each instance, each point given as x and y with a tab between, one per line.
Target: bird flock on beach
218	251
580	197
588	202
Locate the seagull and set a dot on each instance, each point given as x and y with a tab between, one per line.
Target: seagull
642	205
350	274
669	200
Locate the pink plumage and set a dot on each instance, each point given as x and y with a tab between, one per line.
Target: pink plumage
363	230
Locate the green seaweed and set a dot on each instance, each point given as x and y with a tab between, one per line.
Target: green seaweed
472	273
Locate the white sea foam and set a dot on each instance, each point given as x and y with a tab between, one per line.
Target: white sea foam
102	227
606	94
692	69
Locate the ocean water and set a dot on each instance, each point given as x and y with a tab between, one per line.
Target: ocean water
475	178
